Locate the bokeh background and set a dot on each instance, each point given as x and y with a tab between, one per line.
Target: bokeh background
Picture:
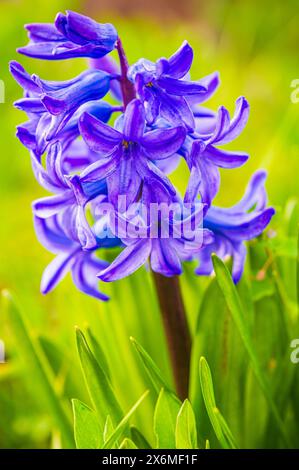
254	46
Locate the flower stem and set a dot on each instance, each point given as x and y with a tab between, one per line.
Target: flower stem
127	87
176	329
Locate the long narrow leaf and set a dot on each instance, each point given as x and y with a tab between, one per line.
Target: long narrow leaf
151	368
98	385
166	411
185	433
213	412
235	306
39	369
120	428
87	430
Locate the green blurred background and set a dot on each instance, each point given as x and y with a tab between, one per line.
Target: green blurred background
254	46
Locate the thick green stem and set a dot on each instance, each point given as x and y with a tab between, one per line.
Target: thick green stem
176	329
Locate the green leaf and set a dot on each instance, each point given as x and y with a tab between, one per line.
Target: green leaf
86	427
98	352
127	444
209	399
108	428
235	306
151	368
39	368
120	428
185	433
165	416
98	385
139	438
207	446
226	430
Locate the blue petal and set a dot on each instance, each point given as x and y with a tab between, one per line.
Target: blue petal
84	273
82	30
48	206
225	158
134	121
51	236
180	87
130	259
164	259
56	271
238	122
162	143
98	136
22	77
180	62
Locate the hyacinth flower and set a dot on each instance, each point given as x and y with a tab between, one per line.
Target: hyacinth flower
70	256
87	160
70	195
129	152
33	134
59	99
235	225
72	35
203	155
164	89
165	242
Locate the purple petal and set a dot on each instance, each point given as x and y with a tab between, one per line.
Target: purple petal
210	83
108	64
152	174
40	32
54	164
51	236
102	168
134	121
180	62
176	110
164	259
48	206
223	158
221	126
81	29
239	226
239	257
56	271
30	105
180	87
98	136
124	181
255	195
193	187
210	181
152	108
43	177
170	164
84	273
22	77
130	259
161	143
238	122
85	234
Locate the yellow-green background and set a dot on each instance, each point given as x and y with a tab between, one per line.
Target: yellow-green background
254	46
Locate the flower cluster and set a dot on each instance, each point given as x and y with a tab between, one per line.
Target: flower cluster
108	167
